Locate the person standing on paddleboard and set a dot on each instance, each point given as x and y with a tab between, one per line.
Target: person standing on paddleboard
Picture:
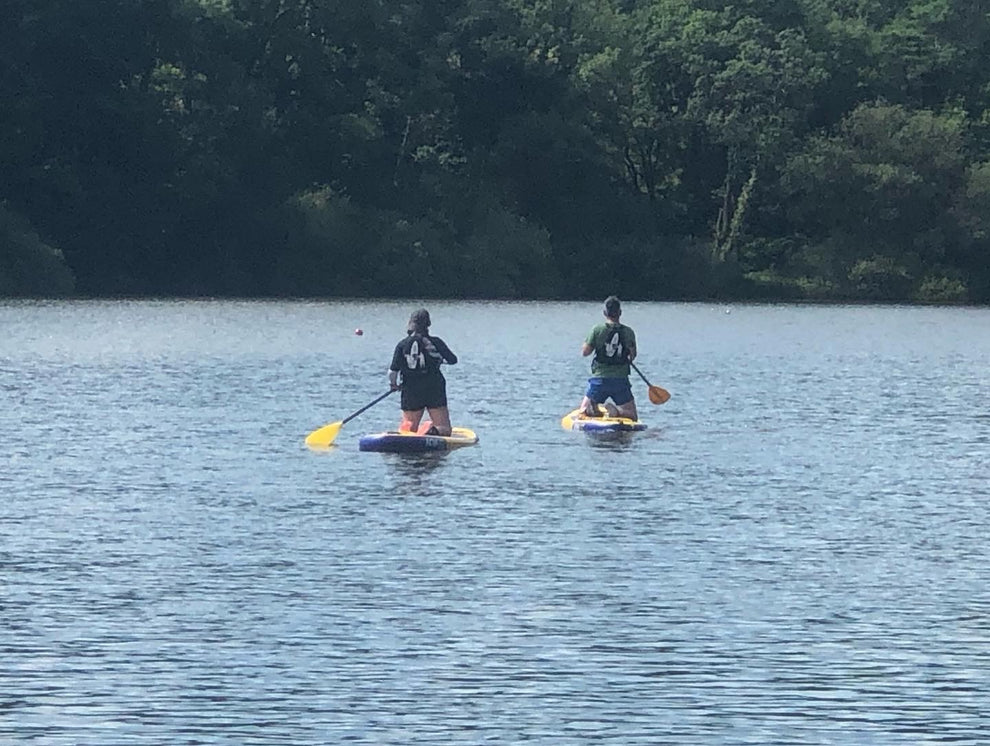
614	345
415	370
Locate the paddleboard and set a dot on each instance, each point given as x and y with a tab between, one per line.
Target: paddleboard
409	442
577	420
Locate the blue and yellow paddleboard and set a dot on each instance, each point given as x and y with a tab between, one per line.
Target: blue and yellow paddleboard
410	442
577	420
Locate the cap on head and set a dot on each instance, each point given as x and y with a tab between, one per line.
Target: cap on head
613	309
419	321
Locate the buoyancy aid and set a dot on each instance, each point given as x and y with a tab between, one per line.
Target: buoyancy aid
419	356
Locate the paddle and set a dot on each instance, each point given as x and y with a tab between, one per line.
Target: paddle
657	395
325	435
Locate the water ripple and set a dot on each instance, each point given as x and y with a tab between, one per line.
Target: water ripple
793	553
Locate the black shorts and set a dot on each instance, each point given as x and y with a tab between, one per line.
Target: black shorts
427	391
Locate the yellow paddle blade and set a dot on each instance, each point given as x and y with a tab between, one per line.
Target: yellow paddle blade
658	395
324	436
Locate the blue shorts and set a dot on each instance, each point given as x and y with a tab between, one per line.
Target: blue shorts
616	389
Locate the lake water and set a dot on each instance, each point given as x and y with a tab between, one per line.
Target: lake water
795	552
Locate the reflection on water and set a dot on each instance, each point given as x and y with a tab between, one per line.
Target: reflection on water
415	465
616	440
793	552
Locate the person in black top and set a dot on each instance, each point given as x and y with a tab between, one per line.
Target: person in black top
415	370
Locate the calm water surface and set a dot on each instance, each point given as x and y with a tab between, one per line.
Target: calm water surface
794	552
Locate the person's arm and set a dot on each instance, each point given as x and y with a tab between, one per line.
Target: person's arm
445	352
589	344
631	345
393	369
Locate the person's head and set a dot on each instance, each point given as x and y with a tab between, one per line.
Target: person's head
419	322
613	309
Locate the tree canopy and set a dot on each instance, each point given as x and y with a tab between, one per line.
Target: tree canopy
661	149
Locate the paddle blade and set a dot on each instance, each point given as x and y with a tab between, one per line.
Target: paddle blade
658	395
324	436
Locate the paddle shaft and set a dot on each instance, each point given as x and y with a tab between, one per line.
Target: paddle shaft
640	373
366	407
657	395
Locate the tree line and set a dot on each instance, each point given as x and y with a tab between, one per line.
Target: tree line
661	149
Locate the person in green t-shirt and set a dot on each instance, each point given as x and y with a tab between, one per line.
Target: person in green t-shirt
614	345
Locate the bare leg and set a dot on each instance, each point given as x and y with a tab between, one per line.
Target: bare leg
588	407
441	420
410	420
628	410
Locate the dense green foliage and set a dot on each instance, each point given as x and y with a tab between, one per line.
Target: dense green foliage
825	149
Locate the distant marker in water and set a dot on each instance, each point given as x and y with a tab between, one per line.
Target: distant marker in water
359	331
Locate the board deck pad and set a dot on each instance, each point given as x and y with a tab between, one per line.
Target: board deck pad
577	420
394	441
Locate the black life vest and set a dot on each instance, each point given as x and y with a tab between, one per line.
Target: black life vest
610	349
419	356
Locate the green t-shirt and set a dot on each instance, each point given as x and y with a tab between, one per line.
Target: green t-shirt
611	358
